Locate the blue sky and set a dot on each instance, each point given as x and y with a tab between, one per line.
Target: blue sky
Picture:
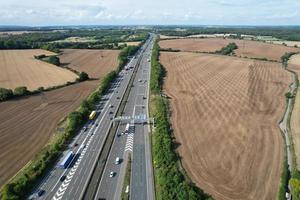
152	12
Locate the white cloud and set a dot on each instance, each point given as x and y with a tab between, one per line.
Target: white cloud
222	12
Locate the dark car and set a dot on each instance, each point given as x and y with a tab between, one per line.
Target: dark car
40	193
76	144
62	178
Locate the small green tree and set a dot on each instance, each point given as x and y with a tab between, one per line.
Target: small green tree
54	60
5	94
21	91
83	76
295	183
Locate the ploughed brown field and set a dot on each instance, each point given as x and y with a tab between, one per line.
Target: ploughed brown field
27	124
251	49
20	68
294	64
225	115
89	60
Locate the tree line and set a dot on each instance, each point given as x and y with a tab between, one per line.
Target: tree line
284	33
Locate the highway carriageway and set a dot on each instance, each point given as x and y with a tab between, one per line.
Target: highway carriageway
86	145
136	143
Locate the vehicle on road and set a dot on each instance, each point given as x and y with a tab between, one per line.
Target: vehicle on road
117	161
92	115
111	106
40	193
84	129
127	127
118	97
66	161
75	145
148	60
111	174
97	124
62	178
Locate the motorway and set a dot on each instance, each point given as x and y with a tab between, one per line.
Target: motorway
88	144
136	143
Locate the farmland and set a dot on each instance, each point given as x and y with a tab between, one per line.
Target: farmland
225	114
94	62
20	68
27	124
251	49
294	64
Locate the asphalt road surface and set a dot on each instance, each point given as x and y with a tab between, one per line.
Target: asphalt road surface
136	142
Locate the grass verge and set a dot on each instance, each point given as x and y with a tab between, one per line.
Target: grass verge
125	196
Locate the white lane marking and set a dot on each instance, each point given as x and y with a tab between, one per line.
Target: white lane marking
66	182
129	142
58	194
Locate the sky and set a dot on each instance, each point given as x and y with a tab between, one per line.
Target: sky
151	12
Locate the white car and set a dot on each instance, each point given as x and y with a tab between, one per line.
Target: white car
111	174
117	161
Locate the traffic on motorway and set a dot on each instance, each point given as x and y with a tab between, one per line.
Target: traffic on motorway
135	143
72	172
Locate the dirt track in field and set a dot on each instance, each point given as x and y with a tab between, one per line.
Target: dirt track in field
20	68
225	115
27	124
89	60
251	49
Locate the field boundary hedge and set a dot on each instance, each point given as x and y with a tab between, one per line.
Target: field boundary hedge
26	179
170	181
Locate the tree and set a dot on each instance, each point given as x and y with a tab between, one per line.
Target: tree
21	91
54	60
295	183
83	76
5	94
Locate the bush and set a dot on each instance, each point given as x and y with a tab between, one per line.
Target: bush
83	76
53	60
21	91
5	94
285	58
40	56
295	184
229	49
